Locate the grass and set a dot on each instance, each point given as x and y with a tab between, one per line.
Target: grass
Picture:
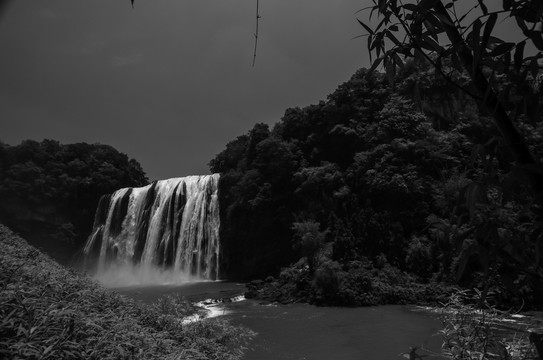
50	312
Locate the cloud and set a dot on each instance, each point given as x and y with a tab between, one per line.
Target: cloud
128	60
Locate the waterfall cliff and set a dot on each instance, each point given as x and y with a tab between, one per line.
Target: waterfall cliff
167	231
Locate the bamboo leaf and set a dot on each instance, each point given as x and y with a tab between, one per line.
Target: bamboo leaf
382	6
502	49
363	9
519	55
372	10
370	39
466	14
476	42
536	38
432	30
489	26
397	60
430	44
494	41
368	29
483	7
426	4
411	7
443	19
432	20
376	63
393	38
521	24
394	6
381	23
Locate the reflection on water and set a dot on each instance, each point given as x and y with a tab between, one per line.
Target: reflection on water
304	332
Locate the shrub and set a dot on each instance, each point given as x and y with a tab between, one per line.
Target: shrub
49	312
310	241
327	281
418	257
474	333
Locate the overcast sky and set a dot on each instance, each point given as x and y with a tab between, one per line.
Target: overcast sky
170	82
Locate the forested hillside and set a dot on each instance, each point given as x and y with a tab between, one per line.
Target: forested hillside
401	174
50	191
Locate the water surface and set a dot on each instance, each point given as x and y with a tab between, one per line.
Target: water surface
305	332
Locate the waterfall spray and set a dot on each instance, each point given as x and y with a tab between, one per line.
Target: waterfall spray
165	232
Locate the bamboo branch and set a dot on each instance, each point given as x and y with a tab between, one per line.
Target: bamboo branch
256	33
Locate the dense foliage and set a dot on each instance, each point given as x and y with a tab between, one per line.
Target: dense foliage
482	332
50	191
404	172
464	43
49	312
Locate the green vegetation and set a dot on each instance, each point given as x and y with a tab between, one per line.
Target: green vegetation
357	283
48	312
466	46
471	331
461	43
402	172
50	191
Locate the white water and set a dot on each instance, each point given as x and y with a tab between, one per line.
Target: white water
163	233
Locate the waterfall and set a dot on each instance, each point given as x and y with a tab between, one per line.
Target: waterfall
165	232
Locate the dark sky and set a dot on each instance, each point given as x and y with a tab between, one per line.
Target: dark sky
170	82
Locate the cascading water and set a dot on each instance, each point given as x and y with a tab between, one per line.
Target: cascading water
165	232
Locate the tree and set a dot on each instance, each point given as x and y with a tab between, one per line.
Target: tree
50	191
456	43
310	241
463	47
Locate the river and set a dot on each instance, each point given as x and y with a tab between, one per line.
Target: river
305	332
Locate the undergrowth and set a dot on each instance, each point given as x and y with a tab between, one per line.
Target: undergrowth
475	331
49	312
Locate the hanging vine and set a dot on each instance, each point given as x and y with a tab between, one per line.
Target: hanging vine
256	32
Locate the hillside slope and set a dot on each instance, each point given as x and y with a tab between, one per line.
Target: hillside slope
49	312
